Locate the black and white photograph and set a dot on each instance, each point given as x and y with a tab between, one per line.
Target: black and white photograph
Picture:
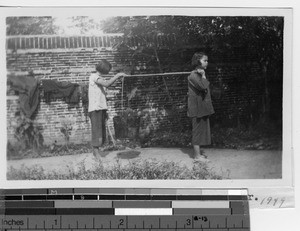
151	94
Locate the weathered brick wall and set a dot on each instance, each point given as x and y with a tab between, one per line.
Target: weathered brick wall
162	100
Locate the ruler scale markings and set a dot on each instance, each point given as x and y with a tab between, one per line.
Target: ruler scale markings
34	191
137	191
216	192
59	197
141	204
113	191
86	191
216	214
85	197
193	226
60	191
29	211
83	204
92	211
214	197
111	197
209	211
238	192
145	211
159	223
158	191
35	197
200	204
240	198
191	197
29	204
12	191
164	197
13	197
138	197
189	192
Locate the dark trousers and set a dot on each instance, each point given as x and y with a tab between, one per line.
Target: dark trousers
98	127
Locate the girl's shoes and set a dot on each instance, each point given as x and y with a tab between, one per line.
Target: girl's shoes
97	153
201	158
202	153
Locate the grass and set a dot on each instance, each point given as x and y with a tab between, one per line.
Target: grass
135	170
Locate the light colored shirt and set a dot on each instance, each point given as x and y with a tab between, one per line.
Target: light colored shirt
97	94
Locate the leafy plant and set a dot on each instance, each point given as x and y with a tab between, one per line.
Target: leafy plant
66	130
27	134
261	38
30	25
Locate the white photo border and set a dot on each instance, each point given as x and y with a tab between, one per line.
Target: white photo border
287	154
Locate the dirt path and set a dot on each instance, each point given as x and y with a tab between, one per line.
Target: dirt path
233	164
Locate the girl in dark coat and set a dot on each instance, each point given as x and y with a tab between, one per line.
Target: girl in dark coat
199	104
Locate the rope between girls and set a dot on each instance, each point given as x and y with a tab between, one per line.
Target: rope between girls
154	74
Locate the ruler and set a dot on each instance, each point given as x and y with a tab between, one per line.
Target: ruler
124	209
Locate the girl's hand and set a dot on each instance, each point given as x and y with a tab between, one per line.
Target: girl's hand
119	75
201	71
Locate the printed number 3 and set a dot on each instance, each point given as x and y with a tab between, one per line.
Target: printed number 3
188	222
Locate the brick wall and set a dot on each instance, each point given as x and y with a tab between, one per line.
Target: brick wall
162	100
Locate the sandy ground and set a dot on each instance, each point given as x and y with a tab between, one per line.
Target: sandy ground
233	164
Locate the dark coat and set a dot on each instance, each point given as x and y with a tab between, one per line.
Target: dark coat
60	89
29	93
199	98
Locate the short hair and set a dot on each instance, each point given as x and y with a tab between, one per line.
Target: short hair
196	58
103	66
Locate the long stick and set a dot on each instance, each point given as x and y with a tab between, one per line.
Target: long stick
154	74
111	135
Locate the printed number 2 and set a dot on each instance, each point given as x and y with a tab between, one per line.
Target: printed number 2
121	222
